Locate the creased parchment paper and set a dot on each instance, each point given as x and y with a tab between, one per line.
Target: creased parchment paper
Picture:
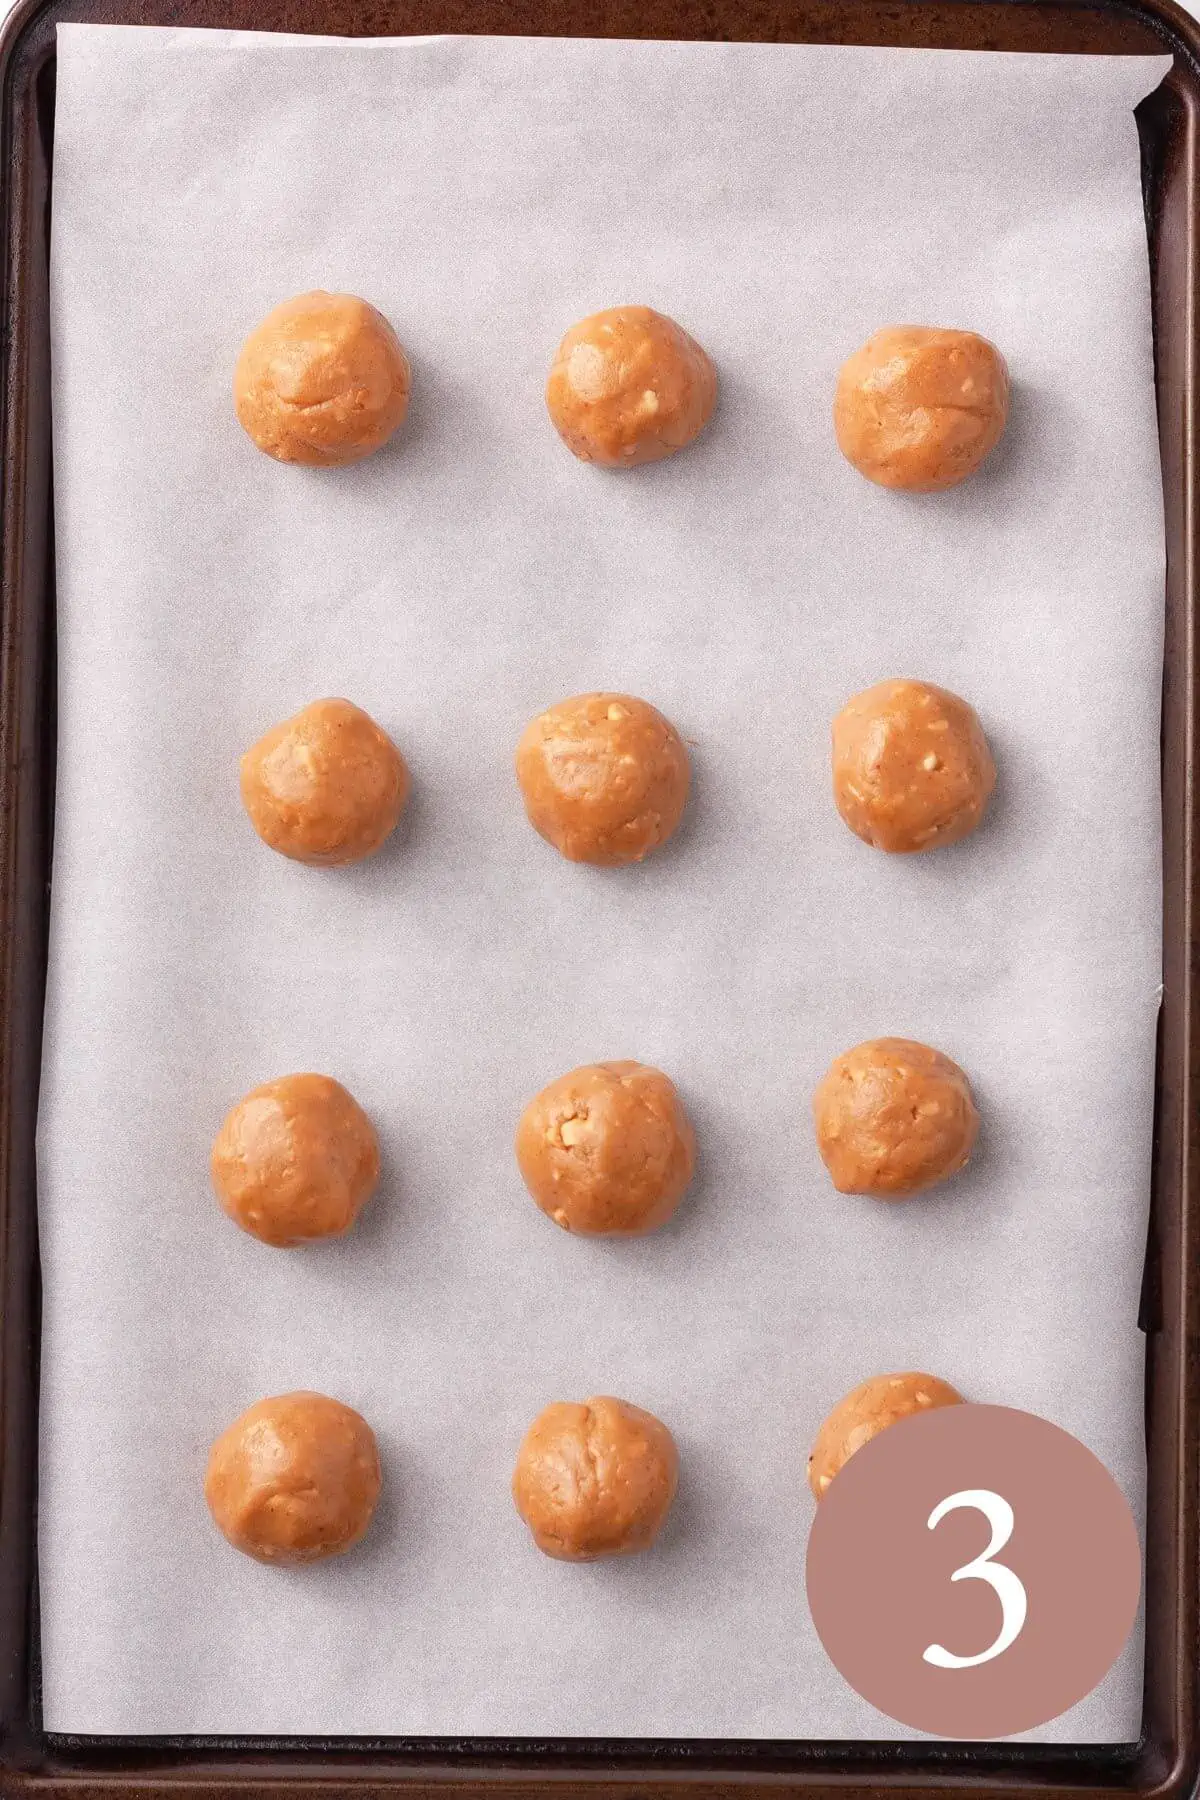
781	203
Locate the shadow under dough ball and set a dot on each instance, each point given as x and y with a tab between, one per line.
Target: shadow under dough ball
326	786
920	407
629	386
893	1118
604	778
595	1479
295	1479
607	1150
866	1411
912	770
295	1161
323	381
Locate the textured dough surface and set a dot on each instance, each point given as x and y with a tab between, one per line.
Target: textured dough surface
325	786
912	770
295	1479
604	778
629	386
893	1118
607	1150
595	1479
295	1160
867	1410
920	407
323	380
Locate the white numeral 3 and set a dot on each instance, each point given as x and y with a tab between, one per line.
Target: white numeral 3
1008	1586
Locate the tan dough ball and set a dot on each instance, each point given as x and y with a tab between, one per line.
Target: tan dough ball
595	1479
869	1409
919	407
893	1118
295	1161
323	380
607	1150
326	786
604	778
911	767
629	386
294	1480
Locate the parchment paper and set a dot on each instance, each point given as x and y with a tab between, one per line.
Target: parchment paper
781	203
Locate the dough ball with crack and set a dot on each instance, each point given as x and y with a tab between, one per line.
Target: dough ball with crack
920	407
604	778
912	770
295	1160
323	380
893	1118
607	1150
595	1479
326	786
629	386
866	1411
294	1480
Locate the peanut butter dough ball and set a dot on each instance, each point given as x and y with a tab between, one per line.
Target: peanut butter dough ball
607	1150
322	380
867	1410
911	767
295	1161
893	1118
294	1480
326	786
595	1479
919	407
629	386
604	778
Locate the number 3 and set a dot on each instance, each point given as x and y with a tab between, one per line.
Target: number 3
1008	1586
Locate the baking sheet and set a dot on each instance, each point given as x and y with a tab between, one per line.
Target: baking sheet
781	202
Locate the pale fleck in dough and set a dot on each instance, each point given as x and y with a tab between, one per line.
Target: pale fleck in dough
604	778
326	786
595	1479
607	1150
920	407
294	1480
323	381
893	1117
912	770
867	1410
629	386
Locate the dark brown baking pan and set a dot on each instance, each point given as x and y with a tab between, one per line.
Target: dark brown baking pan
1166	1760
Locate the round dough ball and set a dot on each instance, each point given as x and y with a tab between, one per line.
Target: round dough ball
607	1150
322	380
893	1118
296	1160
869	1409
326	786
919	407
595	1479
294	1480
629	386
604	778
911	767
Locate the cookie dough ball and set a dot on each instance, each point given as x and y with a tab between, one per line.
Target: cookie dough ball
893	1118
869	1409
604	778
322	380
607	1150
296	1160
911	767
326	786
595	1479
919	407
294	1480
629	386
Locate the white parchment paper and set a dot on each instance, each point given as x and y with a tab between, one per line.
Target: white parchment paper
781	203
